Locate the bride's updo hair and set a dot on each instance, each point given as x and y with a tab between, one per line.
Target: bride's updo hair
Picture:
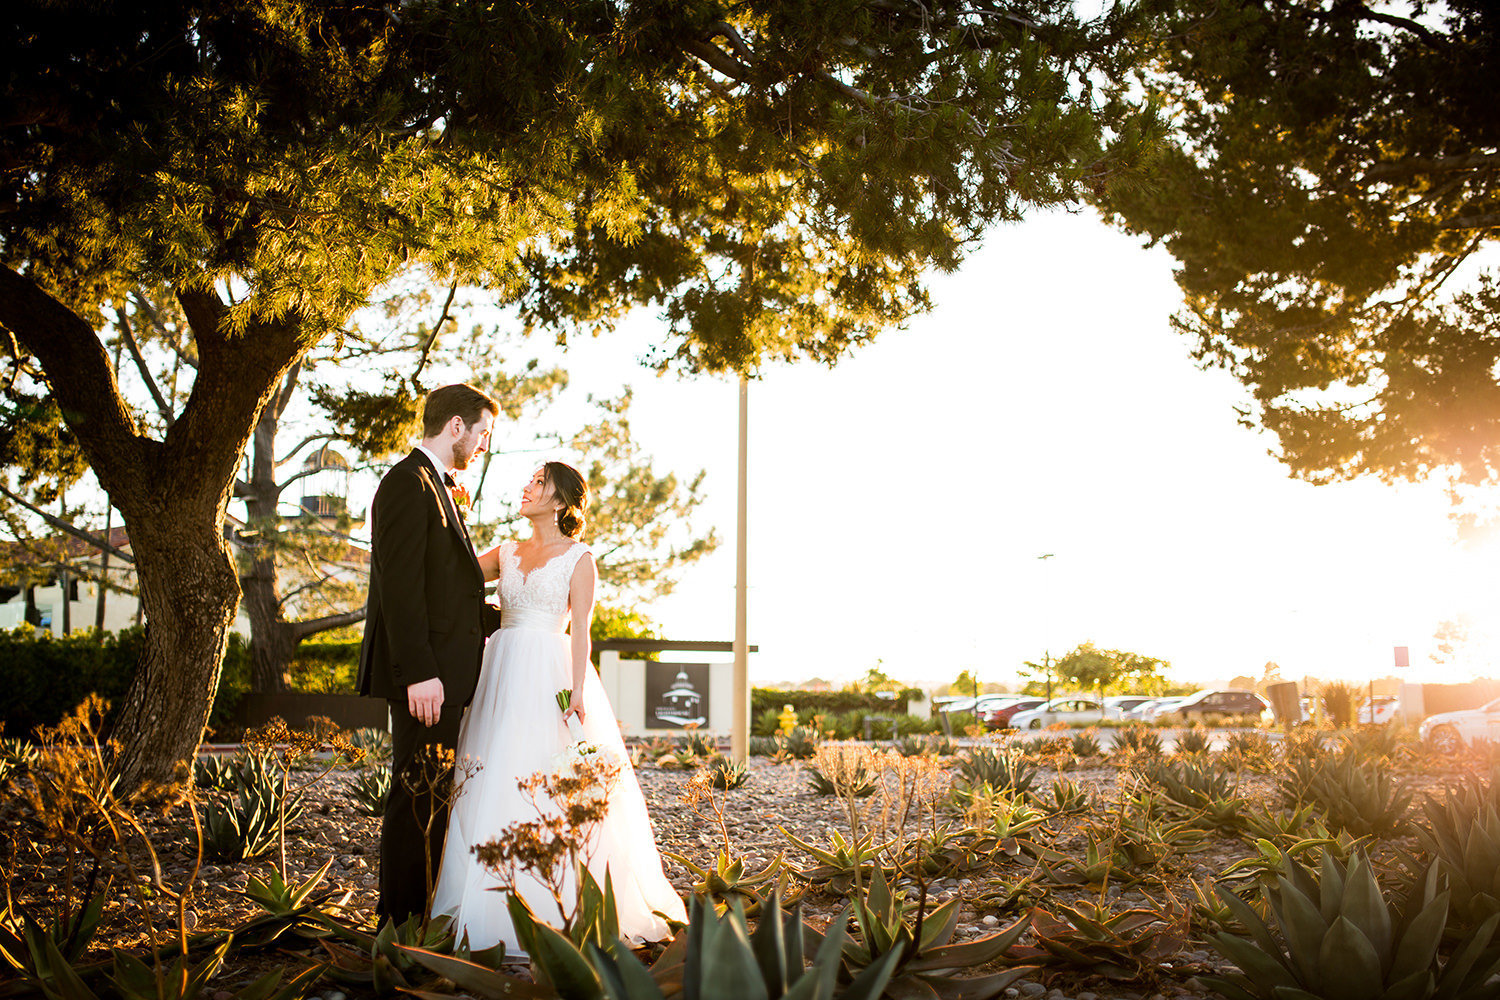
570	488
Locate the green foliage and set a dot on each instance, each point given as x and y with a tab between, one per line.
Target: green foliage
1002	770
728	879
920	950
370	788
612	622
1337	938
1315	267
1358	797
809	703
1102	671
1066	797
1253	751
1137	740
1095	939
799	744
1086	744
725	774
1464	844
249	823
1193	740
838	863
42	678
1341	700
862	786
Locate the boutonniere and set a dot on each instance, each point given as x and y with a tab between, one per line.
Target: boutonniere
461	499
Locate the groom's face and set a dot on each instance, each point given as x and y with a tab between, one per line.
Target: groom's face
474	441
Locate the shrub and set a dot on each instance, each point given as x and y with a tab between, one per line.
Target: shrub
42	679
808	702
1341	701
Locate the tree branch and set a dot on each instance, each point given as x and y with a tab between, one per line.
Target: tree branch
144	305
145	372
1485	221
326	436
717	59
1413	165
301	630
68	528
436	330
89	397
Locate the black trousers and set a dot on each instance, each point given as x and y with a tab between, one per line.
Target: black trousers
407	844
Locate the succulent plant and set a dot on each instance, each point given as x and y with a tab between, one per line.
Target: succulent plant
1137	740
1065	797
1356	796
838	862
1002	770
1189	783
799	744
1337	938
911	745
1464	843
727	879
699	744
1251	751
725	774
376	744
1096	939
370	788
1193	740
927	961
862	787
1086	744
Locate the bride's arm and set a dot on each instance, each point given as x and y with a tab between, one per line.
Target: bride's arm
581	599
490	563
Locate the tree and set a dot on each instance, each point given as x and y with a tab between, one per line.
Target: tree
1329	191
775	178
1089	668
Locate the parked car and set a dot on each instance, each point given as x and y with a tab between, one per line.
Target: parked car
1116	705
1381	711
1447	731
1142	712
999	717
1214	705
1067	710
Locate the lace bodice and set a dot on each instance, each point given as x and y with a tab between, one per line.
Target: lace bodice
545	589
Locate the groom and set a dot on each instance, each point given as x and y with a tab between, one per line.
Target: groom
425	628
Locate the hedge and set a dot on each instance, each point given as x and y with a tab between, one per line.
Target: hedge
43	678
762	699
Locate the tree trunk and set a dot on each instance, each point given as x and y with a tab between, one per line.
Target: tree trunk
272	640
189	592
172	494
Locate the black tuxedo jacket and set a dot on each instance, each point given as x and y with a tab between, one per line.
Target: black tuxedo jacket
426	615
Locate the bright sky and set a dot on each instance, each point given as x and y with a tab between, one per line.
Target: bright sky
899	502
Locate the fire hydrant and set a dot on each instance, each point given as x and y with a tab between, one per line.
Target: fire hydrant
787	719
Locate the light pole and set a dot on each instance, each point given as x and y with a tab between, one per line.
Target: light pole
739	730
1047	650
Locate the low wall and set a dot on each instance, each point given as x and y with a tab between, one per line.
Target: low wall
347	711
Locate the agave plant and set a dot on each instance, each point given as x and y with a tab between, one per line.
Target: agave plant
863	785
1193	741
1337	938
1086	744
1003	770
1464	844
1189	783
1137	740
725	774
840	860
1066	797
1096	939
911	745
375	744
1355	796
1102	864
800	744
216	773
1251	751
927	961
727	879
699	743
370	788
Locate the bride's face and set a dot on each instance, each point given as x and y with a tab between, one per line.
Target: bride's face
536	498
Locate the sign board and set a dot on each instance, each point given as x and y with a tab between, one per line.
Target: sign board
677	695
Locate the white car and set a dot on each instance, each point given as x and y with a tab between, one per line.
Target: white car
1067	710
1149	711
1447	731
1117	705
1384	710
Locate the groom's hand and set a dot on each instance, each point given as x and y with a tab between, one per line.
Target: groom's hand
424	700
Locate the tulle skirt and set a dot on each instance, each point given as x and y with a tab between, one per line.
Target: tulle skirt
514	729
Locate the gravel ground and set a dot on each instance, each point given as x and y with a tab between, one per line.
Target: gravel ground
775	795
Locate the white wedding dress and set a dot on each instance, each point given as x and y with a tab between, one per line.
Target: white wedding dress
513	730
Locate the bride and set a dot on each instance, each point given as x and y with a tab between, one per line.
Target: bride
514	729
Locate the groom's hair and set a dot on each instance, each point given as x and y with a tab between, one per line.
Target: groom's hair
451	401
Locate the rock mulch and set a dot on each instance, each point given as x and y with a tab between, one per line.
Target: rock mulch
775	797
